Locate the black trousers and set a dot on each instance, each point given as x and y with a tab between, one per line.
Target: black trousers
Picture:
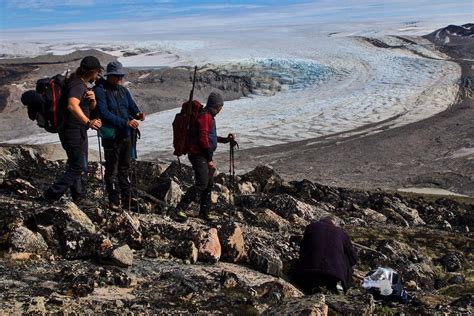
117	154
201	191
311	280
74	142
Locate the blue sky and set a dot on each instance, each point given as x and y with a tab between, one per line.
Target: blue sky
20	19
38	13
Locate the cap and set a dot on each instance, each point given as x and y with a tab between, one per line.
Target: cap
90	62
115	68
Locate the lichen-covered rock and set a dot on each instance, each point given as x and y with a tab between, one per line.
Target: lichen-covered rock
121	256
186	250
266	260
263	179
126	227
209	247
232	242
21	239
310	305
78	216
451	262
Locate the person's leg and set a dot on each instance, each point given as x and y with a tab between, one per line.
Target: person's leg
201	174
206	195
78	188
72	143
123	176
111	156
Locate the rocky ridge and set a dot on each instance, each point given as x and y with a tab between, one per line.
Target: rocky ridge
60	258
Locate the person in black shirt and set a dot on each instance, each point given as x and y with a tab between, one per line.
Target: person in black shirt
73	135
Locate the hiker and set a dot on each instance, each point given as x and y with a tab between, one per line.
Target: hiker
120	115
203	141
326	257
73	135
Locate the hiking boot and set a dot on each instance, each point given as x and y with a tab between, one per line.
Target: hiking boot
114	206
208	217
181	216
84	203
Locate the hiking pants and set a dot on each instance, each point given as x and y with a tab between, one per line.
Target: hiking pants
74	142
117	154
313	280
201	191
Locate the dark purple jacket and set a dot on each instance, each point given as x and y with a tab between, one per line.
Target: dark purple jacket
327	249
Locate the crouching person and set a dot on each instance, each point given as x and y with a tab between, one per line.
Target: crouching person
119	114
326	257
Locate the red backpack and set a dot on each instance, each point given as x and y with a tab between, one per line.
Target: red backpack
183	125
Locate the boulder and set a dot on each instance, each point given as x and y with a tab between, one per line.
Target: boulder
209	247
266	260
358	304
245	188
181	173
126	228
232	242
186	250
168	190
76	215
309	305
451	262
268	219
155	246
21	239
263	179
285	205
121	256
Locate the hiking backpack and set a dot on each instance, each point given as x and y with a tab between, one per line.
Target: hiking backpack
46	104
184	124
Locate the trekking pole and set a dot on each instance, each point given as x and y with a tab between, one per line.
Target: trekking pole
101	166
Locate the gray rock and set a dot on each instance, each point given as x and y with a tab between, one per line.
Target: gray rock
186	250
266	261
21	239
451	262
121	256
78	216
309	305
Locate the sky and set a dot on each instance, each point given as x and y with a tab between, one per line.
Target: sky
43	14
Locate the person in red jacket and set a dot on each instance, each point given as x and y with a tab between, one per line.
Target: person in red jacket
326	256
203	144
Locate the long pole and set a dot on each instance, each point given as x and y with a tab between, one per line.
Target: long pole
101	166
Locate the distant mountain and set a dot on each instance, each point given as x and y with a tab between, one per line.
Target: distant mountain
456	41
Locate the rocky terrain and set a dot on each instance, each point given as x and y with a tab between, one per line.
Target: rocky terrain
60	258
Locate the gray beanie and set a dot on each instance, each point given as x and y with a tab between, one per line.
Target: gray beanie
214	100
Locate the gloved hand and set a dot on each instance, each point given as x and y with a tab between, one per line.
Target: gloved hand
231	139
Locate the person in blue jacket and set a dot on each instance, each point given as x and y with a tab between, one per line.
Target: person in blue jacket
119	114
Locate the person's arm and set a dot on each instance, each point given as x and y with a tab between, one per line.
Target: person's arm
350	251
74	107
103	110
133	107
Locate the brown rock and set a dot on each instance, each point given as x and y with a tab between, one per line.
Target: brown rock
208	245
232	241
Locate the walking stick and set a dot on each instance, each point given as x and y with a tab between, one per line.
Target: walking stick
101	167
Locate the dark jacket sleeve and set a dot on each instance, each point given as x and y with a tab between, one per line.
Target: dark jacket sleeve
350	251
132	106
111	118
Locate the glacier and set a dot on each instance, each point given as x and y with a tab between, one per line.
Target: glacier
327	85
